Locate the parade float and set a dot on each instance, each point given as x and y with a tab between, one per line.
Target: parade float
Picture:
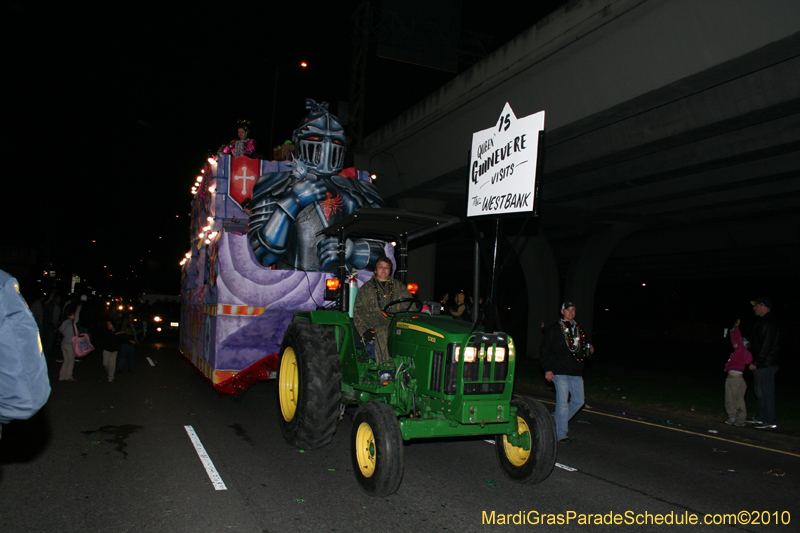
248	272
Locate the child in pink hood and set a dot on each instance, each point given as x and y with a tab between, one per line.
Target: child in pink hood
735	386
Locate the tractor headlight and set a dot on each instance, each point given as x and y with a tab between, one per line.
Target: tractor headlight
474	352
498	354
469	354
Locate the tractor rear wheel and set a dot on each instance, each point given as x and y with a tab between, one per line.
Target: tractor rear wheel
309	385
376	449
533	465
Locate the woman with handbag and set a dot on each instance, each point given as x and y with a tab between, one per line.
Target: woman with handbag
67	330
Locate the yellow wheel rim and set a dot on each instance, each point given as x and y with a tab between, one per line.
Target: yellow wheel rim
365	449
517	456
288	384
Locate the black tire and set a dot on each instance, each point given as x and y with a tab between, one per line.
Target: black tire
376	449
535	465
309	385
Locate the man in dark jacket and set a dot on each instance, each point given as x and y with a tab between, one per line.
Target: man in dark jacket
563	351
765	347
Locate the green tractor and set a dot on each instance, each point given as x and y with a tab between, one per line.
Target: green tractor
445	378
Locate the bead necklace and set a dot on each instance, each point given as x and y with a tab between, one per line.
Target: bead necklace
379	289
577	346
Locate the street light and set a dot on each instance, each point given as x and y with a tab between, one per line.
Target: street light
278	69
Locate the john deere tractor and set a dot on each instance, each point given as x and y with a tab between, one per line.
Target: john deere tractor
445	377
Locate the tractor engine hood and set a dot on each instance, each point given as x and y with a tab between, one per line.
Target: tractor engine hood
443	328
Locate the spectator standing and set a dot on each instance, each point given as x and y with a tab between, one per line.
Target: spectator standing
113	312
564	349
735	386
765	344
50	322
88	316
128	344
67	330
112	339
37	310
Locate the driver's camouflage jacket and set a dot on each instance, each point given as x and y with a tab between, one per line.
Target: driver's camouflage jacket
368	312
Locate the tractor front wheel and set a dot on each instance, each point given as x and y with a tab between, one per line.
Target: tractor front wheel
376	447
535	423
309	385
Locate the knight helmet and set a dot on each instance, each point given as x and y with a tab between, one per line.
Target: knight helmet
319	140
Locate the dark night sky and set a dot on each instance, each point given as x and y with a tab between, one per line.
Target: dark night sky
113	110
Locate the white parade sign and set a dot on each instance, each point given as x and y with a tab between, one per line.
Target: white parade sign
503	165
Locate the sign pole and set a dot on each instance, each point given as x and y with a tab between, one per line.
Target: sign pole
476	284
492	317
539	173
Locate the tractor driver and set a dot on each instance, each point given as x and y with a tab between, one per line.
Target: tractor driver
371	299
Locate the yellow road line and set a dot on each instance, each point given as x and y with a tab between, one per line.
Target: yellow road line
707	435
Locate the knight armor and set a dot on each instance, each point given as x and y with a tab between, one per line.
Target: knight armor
290	209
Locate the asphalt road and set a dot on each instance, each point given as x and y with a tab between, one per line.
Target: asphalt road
117	457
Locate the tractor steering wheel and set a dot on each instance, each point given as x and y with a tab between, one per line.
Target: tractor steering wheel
410	301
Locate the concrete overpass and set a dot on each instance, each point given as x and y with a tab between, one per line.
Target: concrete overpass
672	148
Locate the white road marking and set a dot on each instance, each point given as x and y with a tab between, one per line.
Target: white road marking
490	441
151	362
213	475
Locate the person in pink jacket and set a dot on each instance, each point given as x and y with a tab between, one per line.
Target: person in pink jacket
243	144
735	386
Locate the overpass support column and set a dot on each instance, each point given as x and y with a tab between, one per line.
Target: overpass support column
584	269
422	260
541	279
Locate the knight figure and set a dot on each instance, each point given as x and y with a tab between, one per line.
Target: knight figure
290	209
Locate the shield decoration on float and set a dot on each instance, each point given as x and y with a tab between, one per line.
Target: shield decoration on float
244	173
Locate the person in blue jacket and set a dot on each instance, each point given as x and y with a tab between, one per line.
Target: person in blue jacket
24	385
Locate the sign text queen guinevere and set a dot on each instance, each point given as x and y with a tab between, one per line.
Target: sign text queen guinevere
503	165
